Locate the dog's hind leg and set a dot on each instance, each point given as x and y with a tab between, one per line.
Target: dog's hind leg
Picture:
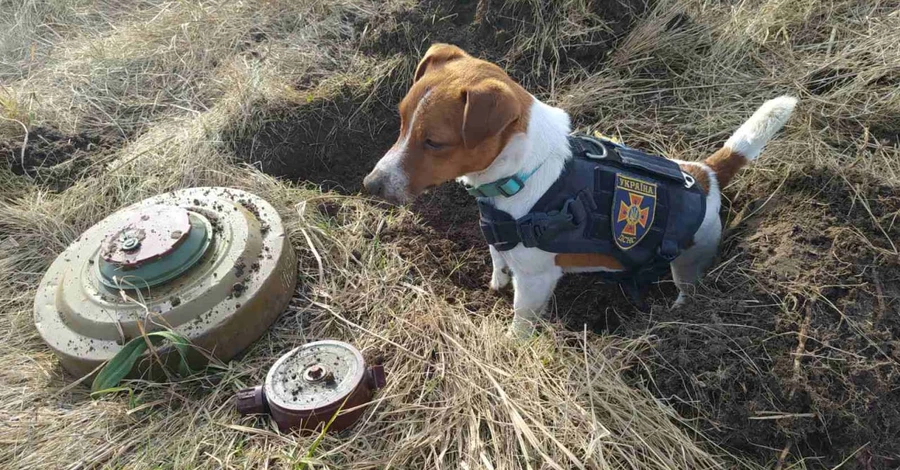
688	268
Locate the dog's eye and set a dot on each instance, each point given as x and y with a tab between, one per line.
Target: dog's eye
432	145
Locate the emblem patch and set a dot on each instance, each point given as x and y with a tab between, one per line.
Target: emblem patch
633	207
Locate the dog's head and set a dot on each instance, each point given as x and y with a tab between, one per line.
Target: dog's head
457	117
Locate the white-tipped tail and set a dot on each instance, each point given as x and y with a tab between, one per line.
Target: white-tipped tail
753	135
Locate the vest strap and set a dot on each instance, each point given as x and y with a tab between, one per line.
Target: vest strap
535	227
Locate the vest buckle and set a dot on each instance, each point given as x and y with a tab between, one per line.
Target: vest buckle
538	227
532	228
489	231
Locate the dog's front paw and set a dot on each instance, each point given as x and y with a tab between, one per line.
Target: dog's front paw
500	279
681	301
521	329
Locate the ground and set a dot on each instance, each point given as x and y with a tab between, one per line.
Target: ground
787	357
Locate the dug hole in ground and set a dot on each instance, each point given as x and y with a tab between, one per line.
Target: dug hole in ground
788	357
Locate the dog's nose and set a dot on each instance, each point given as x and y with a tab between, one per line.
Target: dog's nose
374	183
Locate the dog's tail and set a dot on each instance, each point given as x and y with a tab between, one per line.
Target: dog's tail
748	141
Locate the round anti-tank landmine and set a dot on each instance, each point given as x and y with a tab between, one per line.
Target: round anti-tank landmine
309	384
211	264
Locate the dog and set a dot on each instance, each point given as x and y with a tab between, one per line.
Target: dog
464	118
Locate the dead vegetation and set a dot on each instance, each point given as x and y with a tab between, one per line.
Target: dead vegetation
788	358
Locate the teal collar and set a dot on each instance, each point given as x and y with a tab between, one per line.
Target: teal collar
505	187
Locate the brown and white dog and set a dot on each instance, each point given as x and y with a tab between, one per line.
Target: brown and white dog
466	119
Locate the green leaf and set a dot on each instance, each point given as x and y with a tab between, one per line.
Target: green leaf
121	364
181	345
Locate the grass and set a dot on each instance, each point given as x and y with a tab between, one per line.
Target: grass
177	87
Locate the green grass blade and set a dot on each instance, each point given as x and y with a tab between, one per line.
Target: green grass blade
182	345
121	364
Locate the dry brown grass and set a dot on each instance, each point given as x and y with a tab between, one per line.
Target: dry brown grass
177	83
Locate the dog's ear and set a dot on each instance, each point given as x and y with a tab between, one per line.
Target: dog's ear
490	106
436	56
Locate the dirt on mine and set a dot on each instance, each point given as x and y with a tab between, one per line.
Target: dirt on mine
793	341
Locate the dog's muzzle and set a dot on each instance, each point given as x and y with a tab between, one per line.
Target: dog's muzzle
387	186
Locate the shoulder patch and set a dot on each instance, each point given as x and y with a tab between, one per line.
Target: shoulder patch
633	208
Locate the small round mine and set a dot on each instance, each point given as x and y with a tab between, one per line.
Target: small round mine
317	383
315	376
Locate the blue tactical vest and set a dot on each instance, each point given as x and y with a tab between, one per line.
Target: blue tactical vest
640	209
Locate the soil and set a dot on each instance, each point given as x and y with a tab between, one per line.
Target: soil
793	341
53	158
811	259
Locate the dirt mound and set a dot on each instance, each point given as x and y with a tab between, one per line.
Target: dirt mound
532	40
795	340
332	142
811	253
51	157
